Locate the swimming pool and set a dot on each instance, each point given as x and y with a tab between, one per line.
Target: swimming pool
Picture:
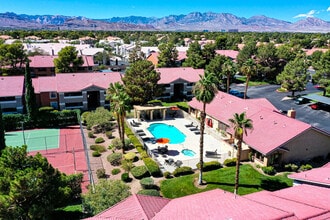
188	152
161	130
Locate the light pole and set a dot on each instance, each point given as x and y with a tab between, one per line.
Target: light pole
22	122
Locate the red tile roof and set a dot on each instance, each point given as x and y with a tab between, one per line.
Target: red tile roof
48	61
307	194
169	75
301	210
228	53
68	82
218	204
315	176
135	207
11	86
266	120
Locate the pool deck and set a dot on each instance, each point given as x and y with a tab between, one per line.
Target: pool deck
175	150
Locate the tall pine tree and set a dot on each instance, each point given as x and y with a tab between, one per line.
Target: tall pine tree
2	133
30	97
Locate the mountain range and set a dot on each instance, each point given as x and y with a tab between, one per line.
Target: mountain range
195	21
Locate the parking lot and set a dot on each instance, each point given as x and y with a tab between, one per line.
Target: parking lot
317	118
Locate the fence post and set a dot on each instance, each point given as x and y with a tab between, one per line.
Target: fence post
46	145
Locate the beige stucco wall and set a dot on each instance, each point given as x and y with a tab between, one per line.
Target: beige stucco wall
306	146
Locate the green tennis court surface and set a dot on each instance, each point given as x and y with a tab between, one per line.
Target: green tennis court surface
40	139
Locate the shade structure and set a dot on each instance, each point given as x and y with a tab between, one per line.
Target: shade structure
163	140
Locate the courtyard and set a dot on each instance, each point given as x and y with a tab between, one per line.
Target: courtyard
186	153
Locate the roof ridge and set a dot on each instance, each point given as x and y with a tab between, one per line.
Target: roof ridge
137	197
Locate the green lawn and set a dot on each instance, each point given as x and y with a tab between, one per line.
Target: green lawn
251	83
224	178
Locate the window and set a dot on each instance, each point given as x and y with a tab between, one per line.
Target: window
54	105
74	104
7	98
69	94
52	95
190	84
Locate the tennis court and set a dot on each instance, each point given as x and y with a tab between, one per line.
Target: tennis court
39	139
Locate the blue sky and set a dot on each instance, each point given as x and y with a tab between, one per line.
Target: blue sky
288	10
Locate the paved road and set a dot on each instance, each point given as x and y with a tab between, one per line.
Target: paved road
317	118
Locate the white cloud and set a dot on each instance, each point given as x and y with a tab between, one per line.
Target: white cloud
307	15
328	9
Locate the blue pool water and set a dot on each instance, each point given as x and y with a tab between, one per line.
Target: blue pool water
161	130
188	152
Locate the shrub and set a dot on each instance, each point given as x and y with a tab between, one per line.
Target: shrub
140	171
230	162
96	154
305	167
130	156
291	167
103	127
125	178
91	134
99	140
182	171
144	154
147	183
270	170
109	134
152	166
212	165
117	143
98	147
46	109
149	192
115	171
115	159
100	173
167	174
84	116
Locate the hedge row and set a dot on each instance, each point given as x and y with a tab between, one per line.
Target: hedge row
208	166
45	119
140	172
152	167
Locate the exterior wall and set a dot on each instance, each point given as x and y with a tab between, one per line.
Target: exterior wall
45	99
43	71
16	103
306	146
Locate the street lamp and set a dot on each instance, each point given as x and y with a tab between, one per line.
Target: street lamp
22	122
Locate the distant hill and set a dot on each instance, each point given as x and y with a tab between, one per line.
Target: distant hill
195	21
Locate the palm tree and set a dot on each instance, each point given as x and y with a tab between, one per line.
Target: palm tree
119	101
249	68
240	125
229	69
204	90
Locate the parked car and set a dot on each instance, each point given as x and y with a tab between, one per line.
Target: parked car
236	93
319	105
301	100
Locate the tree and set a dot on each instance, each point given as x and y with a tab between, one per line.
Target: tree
204	90
140	82
247	52
268	62
2	133
248	68
322	75
240	124
168	55
30	96
294	76
136	54
107	193
229	69
12	55
216	66
68	60
194	56
120	103
208	53
30	188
